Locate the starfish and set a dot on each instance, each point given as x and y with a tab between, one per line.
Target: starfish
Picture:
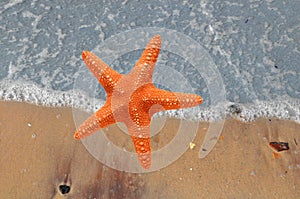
132	99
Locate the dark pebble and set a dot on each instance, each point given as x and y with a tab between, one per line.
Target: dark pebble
64	189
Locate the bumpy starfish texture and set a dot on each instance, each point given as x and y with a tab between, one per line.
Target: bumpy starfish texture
132	99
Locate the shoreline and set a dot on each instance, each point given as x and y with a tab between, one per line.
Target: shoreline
25	92
38	153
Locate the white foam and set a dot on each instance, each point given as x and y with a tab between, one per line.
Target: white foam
283	109
30	93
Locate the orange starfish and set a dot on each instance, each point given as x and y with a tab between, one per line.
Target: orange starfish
132	99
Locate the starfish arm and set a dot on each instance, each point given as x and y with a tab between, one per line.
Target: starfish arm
135	94
140	136
139	130
145	66
101	119
105	75
168	100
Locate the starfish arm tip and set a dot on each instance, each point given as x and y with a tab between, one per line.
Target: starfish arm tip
157	36
145	163
84	54
199	99
76	136
146	166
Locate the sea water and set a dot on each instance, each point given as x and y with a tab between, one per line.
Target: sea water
254	46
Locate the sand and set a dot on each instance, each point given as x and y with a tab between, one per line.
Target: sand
38	154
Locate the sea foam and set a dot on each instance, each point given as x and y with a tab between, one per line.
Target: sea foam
27	92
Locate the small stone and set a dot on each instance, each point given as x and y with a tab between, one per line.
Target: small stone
33	136
221	138
276	155
24	170
192	145
64	189
29	124
235	109
279	146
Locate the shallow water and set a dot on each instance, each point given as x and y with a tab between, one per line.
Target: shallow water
254	46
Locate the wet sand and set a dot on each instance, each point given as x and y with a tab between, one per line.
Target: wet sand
38	154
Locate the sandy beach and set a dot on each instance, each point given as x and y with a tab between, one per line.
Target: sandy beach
40	159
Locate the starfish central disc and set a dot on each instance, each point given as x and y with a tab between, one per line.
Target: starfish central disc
132	99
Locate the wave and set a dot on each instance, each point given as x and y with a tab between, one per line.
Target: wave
288	108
